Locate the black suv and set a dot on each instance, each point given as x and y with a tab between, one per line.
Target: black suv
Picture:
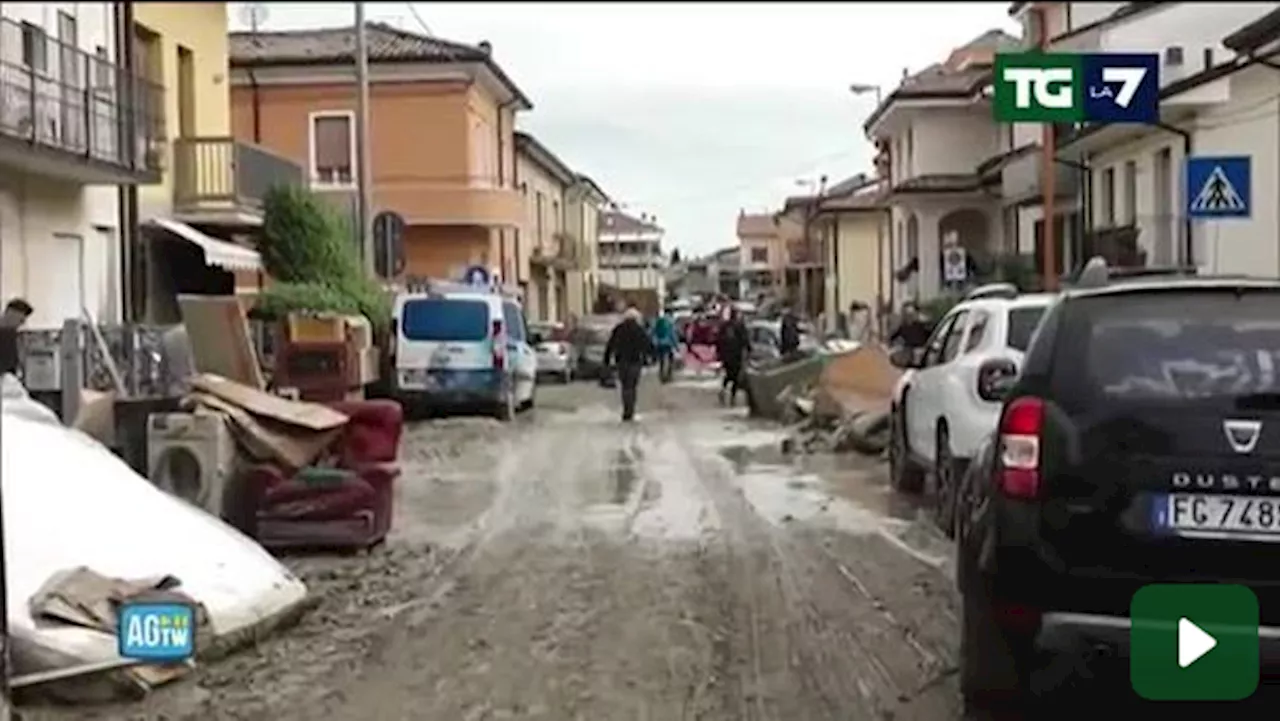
1140	443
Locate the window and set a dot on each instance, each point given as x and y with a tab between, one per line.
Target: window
1107	199
1130	191
333	148
35	47
933	347
443	319
102	78
555	216
514	321
537	219
1022	327
759	255
977	329
951	347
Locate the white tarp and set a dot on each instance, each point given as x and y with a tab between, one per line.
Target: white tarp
69	502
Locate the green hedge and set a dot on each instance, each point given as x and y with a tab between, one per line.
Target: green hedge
307	250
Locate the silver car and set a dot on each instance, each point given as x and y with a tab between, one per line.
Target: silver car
556	356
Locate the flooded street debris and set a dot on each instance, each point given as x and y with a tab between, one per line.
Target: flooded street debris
570	566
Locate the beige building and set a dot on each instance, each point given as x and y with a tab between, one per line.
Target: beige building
763	240
542	245
855	229
583	202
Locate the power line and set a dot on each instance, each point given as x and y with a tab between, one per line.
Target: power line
808	167
421	23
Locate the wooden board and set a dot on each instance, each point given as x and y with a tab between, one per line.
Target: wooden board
311	416
220	341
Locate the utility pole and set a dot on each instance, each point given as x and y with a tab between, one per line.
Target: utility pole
1048	182
364	201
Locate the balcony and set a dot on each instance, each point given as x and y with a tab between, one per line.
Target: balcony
1021	179
801	254
426	201
219	181
70	115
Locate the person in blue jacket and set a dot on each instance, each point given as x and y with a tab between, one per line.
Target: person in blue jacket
665	342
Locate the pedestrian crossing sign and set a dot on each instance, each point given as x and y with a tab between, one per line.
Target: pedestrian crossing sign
1218	187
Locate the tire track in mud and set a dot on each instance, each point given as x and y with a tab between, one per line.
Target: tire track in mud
853	656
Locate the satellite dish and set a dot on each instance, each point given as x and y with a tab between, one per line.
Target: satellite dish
254	15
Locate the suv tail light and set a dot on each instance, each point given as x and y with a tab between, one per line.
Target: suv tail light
994	378
1020	429
499	346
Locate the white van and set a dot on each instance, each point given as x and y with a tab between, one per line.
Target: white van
463	345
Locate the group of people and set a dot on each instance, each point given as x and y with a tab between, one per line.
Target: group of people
631	346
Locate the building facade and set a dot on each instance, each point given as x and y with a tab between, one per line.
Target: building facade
855	225
546	251
584	200
76	123
630	252
441	135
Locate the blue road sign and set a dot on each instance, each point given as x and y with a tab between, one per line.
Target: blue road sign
477	275
1219	187
1121	87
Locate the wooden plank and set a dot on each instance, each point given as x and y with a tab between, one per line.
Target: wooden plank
220	341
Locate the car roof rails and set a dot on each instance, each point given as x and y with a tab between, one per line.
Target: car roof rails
1005	291
1097	274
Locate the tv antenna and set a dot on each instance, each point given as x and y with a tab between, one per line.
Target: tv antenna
254	15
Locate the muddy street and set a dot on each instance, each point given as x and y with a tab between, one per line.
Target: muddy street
570	566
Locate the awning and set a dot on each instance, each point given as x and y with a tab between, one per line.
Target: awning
219	253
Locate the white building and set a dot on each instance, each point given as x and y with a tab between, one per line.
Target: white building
1220	97
942	150
64	148
630	253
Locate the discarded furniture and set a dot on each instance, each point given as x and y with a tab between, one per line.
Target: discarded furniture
345	505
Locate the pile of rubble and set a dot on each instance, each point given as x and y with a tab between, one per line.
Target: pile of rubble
836	401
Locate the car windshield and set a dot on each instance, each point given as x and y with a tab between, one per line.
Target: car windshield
445	319
1183	345
1022	326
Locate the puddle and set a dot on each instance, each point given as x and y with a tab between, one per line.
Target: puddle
674	505
851	500
624	476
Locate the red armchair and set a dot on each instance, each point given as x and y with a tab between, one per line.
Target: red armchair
348	505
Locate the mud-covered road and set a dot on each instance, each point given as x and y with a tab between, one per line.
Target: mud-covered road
569	566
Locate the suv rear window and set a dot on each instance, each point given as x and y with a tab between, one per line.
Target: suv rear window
445	319
1176	345
1022	325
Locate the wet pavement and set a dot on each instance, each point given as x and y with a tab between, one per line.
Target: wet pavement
569	566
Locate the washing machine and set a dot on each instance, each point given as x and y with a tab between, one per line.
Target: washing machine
191	456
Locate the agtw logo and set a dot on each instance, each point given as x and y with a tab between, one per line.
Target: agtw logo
1071	88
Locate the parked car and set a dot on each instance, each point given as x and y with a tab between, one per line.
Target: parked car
556	357
948	402
1139	445
589	339
766	334
459	345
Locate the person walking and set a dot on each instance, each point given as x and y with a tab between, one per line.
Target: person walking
733	345
665	342
788	333
16	313
914	331
630	346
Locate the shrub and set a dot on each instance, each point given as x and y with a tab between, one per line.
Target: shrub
306	248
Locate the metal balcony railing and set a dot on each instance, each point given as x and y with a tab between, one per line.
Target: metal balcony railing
61	97
222	170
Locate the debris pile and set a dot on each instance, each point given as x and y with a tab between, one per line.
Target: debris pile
835	401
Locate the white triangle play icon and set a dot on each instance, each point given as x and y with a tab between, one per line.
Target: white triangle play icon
1193	643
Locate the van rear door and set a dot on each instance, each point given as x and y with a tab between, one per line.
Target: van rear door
439	333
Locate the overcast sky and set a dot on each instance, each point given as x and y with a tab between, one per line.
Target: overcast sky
691	111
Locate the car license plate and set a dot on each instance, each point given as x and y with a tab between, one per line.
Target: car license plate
1193	514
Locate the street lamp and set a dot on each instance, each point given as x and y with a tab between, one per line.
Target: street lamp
864	88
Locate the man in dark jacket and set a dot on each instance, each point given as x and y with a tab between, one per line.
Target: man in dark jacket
630	346
788	333
914	331
733	345
15	315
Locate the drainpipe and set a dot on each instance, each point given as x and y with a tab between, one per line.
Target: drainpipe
257	107
502	176
1188	247
133	262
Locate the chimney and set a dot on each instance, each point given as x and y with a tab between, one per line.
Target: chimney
485	47
905	73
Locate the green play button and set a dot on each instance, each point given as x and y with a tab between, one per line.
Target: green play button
1194	642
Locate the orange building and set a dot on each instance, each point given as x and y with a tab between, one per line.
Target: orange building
441	123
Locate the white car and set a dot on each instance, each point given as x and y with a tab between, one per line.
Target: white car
948	401
556	358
